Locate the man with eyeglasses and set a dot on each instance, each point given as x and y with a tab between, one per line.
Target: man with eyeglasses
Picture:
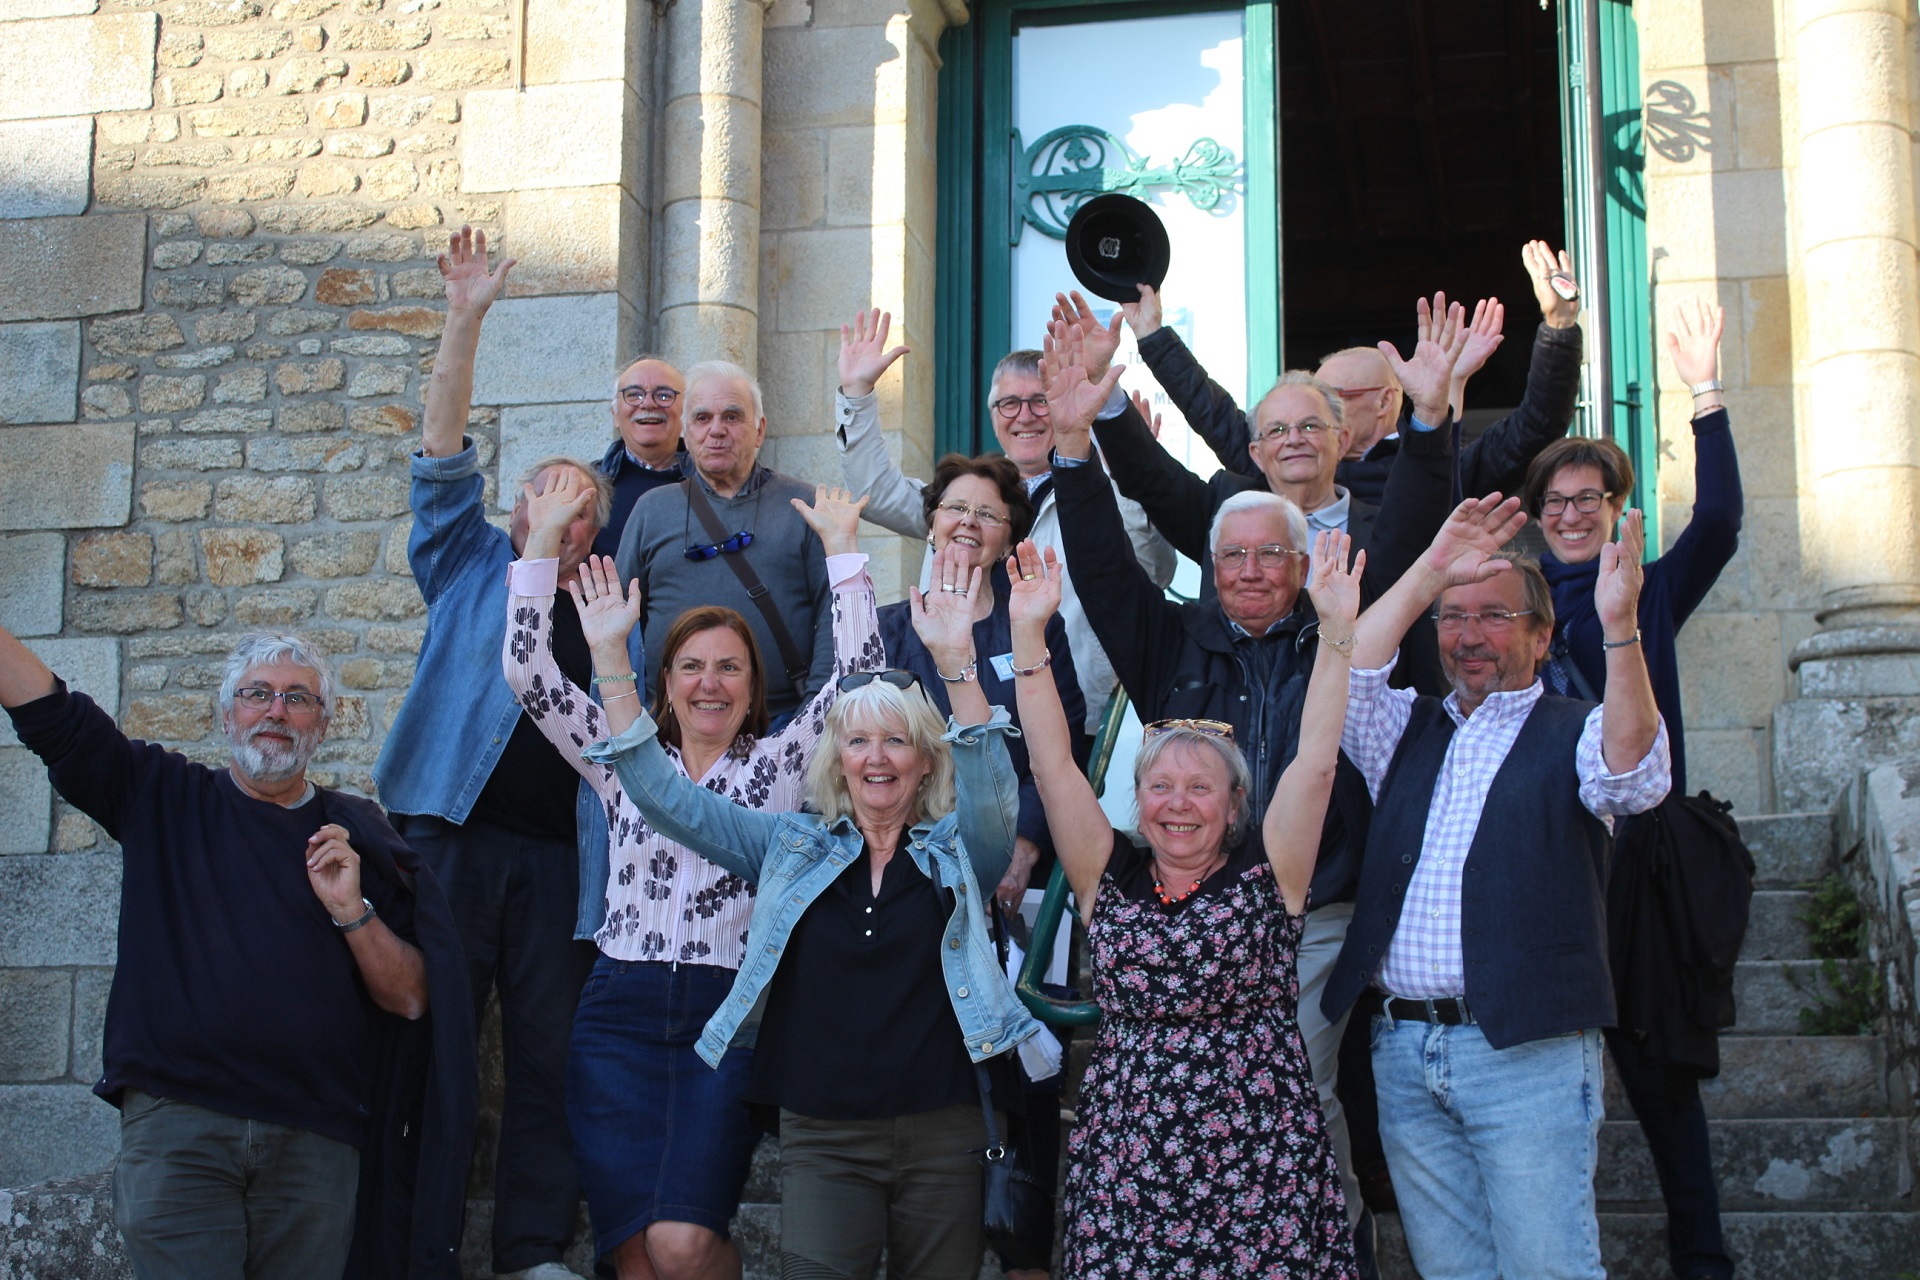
276	941
645	453
1479	940
1376	408
501	817
731	534
1019	413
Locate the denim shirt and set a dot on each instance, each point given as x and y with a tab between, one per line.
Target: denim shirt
459	712
794	857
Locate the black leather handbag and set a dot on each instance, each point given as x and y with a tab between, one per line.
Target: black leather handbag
1014	1206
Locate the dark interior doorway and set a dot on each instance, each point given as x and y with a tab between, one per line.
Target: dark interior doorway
1419	148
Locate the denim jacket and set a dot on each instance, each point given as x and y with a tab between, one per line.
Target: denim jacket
794	857
459	712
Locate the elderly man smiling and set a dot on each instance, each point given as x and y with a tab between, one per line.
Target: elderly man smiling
266	946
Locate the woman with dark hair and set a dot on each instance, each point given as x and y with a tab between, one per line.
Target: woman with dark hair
885	1005
1577	489
664	1140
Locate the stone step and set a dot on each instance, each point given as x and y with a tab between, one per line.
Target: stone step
1769	994
1786	1077
1855	1164
1775	1246
62	1231
1775	930
1789	849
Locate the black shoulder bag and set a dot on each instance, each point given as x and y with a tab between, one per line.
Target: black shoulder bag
797	667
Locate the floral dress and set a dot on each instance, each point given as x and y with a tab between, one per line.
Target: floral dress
1200	1149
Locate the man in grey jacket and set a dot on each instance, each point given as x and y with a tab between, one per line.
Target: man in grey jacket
1021	424
688	542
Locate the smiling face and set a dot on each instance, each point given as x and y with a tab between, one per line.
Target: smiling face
1026	439
709	682
723	435
1293	461
1250	595
1186	801
1481	660
966	537
650	430
274	743
883	770
1576	536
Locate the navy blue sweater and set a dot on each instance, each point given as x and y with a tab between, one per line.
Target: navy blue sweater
1675	583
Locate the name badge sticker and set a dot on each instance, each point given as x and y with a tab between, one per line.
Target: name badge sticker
1003	665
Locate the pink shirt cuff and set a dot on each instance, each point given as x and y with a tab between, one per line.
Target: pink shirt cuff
843	570
533	577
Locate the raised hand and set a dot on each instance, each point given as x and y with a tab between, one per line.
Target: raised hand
1484	335
1545	266
1033	585
1467	548
463	270
565	498
1693	339
943	616
607	614
1616	592
1333	585
835	516
1427	378
863	351
1072	399
333	871
1145	406
1098	341
1143	317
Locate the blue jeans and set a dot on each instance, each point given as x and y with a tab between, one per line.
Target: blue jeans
1492	1150
200	1195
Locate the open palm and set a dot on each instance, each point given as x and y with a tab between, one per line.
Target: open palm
607	613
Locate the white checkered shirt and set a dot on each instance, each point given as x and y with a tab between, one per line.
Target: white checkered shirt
1424	960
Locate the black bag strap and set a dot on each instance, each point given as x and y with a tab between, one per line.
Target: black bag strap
1562	654
996	1149
797	668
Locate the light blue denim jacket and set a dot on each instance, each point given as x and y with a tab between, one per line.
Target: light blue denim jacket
794	857
459	712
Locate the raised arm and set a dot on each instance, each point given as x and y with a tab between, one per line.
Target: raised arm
835	517
1082	836
471	289
1210	410
23	677
943	619
1693	563
1629	718
1292	827
1500	457
894	499
1485	332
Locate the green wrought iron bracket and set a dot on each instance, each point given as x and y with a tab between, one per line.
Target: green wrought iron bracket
1070	165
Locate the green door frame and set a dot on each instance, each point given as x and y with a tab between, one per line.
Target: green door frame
978	222
1607	234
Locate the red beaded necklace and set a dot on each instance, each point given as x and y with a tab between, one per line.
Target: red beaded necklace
1168	900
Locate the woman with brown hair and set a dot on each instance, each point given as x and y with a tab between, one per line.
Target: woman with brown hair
662	1139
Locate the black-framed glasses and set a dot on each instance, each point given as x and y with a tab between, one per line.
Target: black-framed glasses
1488	619
296	701
902	680
637	396
1586	502
1270	556
1008	407
708	550
1309	430
1212	728
960	511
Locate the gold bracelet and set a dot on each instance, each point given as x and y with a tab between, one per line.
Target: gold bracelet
1342	647
615	697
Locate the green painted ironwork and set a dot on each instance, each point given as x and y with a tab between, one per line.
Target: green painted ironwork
1070	165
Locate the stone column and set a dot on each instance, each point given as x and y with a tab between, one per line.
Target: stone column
1859	678
710	170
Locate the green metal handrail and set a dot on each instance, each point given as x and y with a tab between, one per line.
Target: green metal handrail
1053	907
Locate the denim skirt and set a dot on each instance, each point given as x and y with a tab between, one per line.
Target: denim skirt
659	1135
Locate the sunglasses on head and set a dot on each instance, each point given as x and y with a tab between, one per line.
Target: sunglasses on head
1212	728
708	550
898	679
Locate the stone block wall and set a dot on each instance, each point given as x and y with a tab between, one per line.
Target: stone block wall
1718	226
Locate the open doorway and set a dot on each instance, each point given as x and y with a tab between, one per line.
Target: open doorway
1420	146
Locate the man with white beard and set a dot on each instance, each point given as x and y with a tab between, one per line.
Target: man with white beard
273	937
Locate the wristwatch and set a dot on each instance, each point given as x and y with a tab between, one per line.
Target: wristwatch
1711	384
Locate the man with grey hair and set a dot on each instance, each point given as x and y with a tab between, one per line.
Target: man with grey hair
500	816
730	534
272	935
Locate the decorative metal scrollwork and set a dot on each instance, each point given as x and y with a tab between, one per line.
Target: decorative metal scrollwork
1069	166
1676	127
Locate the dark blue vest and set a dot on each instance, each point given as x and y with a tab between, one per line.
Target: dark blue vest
1533	893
